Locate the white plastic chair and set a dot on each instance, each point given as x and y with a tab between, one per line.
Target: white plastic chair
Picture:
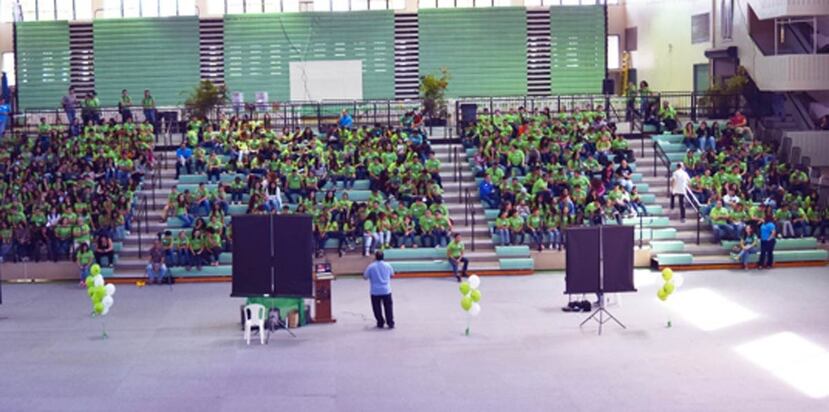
255	316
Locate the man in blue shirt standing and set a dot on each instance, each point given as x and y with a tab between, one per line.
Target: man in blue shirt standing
4	116
379	274
345	120
768	234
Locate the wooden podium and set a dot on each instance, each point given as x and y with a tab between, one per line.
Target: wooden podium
322	298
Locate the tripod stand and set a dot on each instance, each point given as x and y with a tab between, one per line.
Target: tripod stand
275	323
599	315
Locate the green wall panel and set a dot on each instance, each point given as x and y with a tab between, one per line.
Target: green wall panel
484	49
160	54
577	49
259	49
42	63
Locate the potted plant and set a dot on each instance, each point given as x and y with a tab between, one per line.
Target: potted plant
433	96
205	98
719	101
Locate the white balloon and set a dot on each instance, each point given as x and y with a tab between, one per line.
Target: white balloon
107	301
110	289
106	310
678	280
98	280
474	281
475	310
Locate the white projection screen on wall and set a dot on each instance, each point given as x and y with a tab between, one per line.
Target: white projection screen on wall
314	80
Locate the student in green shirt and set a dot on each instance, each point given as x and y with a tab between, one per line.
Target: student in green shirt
85	257
720	222
198	250
371	238
148	103
427	224
535	223
516	227
404	232
182	248
748	246
124	104
502	225
454	254
214	168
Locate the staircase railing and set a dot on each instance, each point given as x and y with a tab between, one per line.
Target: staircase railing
472	212
467	202
660	156
142	226
695	204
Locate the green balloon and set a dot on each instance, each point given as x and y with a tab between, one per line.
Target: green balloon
90	282
661	294
669	288
476	295
98	293
464	287
99	308
667	274
466	303
90	292
95	270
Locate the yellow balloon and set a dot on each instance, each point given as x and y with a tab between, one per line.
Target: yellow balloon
668	288
661	295
667	274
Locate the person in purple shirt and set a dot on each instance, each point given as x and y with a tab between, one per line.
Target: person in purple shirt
379	274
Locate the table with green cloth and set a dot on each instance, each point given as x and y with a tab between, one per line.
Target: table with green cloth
285	306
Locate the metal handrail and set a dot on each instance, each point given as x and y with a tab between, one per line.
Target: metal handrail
138	224
473	229
692	199
466	206
659	154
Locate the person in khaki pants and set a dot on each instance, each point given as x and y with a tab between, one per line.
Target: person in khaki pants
679	184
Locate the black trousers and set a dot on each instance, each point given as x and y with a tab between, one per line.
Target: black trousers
376	300
681	204
767	253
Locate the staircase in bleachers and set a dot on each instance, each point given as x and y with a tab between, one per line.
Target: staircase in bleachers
81	58
707	254
212	50
406	56
538	52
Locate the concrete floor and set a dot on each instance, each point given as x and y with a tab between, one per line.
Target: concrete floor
183	350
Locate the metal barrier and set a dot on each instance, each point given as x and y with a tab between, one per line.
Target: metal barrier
473	229
692	199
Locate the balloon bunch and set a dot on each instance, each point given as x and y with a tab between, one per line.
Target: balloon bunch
99	292
470	302
672	283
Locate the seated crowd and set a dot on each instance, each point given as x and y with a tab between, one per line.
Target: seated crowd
546	171
299	171
69	195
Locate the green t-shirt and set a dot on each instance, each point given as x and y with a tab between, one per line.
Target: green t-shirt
455	249
85	258
427	223
516	222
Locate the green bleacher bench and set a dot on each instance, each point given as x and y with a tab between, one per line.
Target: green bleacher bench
415	253
675	157
402	266
107	272
667	259
814	255
667	246
655	234
781	244
222	270
655	209
516	264
647	198
642	187
491	214
512	251
648	128
117	246
673	148
648	221
668	138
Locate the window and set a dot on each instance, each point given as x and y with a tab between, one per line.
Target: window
446	3
112	8
29	9
338	5
6	15
700	28
253	6
83	9
132	8
8	67
234	6
186	7
373	5
613	52
216	6
727	19
290	6
149	8
397	4
167	8
46	10
65	10
466	3
272	6
322	5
